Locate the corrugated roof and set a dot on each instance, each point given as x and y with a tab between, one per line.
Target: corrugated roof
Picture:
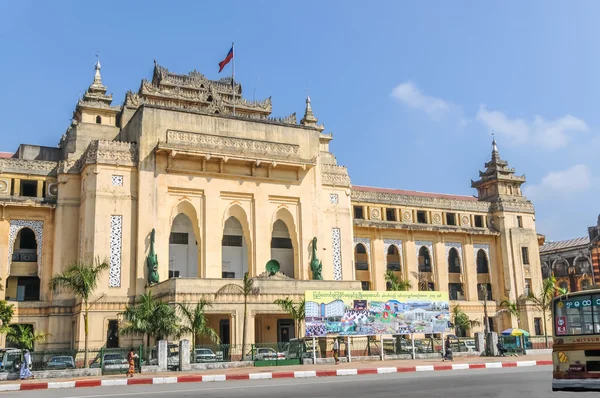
415	193
6	155
565	244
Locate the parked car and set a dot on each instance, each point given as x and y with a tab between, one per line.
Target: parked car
111	361
205	355
8	357
172	357
265	354
61	362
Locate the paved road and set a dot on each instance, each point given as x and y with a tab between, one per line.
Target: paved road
497	383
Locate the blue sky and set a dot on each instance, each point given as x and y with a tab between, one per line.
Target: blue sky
411	91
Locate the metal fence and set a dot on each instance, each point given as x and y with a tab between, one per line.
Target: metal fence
111	360
218	353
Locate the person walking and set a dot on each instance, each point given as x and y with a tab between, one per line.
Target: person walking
336	351
25	367
448	351
131	360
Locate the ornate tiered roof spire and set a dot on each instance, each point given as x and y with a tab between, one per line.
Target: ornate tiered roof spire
498	179
97	91
309	119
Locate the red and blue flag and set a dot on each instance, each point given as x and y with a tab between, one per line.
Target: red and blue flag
227	59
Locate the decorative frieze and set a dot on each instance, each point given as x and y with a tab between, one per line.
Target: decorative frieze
389	198
104	152
239	144
38	229
336	240
23	166
116	229
332	174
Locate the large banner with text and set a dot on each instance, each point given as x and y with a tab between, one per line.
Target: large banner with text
370	313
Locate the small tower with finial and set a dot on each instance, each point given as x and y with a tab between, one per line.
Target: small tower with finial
309	119
498	181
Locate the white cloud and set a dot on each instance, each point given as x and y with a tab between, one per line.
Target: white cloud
548	134
574	180
557	133
410	95
515	131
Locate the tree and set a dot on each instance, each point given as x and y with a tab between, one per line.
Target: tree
151	317
197	323
6	313
462	322
511	308
395	283
296	311
543	300
81	279
246	290
24	337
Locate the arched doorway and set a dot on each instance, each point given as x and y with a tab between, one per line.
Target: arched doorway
23	283
282	248
183	249
234	250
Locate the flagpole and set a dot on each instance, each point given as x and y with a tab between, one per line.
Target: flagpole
233	76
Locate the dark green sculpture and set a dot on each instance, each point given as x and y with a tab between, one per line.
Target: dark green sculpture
315	265
152	261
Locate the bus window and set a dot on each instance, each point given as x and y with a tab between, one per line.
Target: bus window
577	315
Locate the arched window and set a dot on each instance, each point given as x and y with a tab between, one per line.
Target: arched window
361	261
585	284
282	249
482	262
582	265
183	249
98	120
561	268
453	261
424	260
393	259
209	98
564	285
234	250
546	272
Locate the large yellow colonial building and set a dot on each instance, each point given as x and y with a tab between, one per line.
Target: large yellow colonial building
226	190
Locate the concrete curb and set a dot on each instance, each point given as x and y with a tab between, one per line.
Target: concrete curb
262	376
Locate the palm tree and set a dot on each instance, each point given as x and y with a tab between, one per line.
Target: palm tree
151	317
246	290
543	300
511	308
462	322
24	337
81	279
196	320
296	311
395	283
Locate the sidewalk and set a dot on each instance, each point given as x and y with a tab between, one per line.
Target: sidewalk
296	371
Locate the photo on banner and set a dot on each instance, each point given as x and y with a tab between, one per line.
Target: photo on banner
371	313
